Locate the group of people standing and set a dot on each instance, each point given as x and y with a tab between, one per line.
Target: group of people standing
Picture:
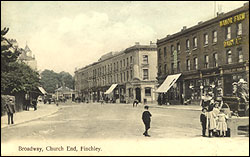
213	118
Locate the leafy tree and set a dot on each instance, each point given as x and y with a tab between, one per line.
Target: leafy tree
15	77
51	80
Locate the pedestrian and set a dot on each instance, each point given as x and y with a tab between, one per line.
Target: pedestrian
135	103
34	103
10	108
203	120
222	125
146	118
211	121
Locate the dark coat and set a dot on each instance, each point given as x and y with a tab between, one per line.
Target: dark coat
10	108
146	118
203	119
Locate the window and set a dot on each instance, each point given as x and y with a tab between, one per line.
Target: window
121	77
178	47
178	66
127	76
117	78
120	63
187	44
188	64
123	62
124	75
172	49
205	39
239	29
145	74
195	42
172	68
206	63
145	59
214	36
240	55
131	74
127	62
195	63
159	70
215	56
147	91
165	68
228	32
165	51
131	60
229	57
159	53
114	66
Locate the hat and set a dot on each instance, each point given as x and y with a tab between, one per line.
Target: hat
242	81
235	83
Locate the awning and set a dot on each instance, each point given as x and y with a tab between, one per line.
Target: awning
168	83
111	88
42	90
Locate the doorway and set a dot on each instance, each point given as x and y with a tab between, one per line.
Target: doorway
138	94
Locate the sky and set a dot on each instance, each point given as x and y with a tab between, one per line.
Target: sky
66	35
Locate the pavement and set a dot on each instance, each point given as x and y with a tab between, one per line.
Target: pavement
26	116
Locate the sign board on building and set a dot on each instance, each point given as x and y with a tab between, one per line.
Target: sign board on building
233	19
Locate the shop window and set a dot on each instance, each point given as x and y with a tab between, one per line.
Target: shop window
229	57
147	91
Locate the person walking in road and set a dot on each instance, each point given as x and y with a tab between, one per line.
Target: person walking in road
10	108
203	120
146	118
135	103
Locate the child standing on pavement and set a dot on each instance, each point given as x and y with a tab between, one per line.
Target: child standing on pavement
222	125
203	120
146	120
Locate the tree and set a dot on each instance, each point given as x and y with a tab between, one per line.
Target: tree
51	80
15	77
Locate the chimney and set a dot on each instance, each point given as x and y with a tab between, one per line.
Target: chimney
184	28
151	43
168	35
137	43
200	22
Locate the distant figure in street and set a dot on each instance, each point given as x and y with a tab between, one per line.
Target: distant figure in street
34	103
146	120
135	103
203	120
10	108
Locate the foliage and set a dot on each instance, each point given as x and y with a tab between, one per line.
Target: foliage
51	80
15	76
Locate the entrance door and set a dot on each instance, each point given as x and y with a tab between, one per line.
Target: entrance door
138	94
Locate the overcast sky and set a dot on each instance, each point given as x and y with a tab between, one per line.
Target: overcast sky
67	35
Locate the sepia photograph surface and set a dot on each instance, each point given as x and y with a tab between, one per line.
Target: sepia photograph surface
125	78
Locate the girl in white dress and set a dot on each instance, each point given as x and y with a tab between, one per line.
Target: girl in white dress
222	124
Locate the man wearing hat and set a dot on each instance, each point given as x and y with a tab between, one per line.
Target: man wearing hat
146	120
10	108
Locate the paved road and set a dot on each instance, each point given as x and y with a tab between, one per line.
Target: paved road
117	129
106	121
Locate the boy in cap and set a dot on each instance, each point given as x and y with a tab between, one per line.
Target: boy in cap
146	120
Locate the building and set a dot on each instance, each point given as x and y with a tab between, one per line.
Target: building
26	57
209	56
120	76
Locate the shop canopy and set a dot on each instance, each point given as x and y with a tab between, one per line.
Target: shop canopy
42	90
111	88
168	83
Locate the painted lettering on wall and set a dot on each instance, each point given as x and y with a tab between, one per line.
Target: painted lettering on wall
233	19
232	42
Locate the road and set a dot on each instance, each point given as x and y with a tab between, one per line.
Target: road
170	128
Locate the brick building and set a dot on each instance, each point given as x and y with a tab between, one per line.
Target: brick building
211	54
120	76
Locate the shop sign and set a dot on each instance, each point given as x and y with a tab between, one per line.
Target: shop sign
233	19
232	42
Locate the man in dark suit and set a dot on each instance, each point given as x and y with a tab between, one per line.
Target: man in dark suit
10	108
146	120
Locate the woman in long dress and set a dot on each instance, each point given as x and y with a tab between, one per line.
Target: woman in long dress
211	121
222	125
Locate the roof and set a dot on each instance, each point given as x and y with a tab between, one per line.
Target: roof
64	89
